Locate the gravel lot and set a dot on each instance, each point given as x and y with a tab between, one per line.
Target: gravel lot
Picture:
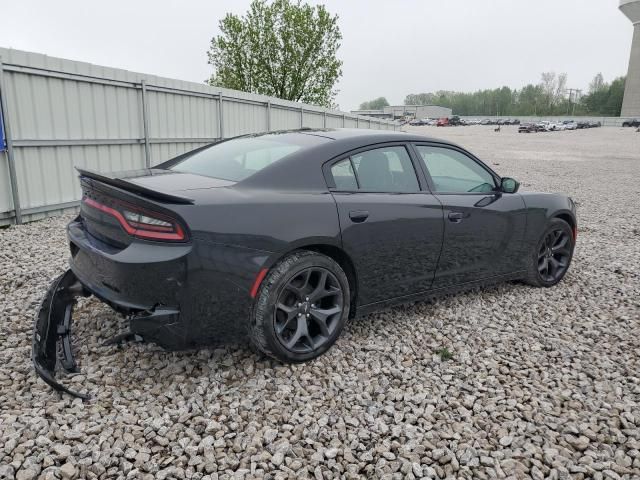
541	383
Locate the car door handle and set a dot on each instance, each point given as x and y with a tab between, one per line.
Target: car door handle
456	217
358	216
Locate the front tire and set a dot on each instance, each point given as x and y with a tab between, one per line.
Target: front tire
550	260
301	307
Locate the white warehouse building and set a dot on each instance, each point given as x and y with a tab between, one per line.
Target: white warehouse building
403	111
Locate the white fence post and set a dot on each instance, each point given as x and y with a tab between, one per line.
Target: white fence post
268	116
145	124
220	117
9	139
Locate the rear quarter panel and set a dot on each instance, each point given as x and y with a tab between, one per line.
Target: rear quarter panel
250	229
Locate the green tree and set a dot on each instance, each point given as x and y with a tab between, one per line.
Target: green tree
375	104
419	99
597	83
285	49
548	97
604	98
613	107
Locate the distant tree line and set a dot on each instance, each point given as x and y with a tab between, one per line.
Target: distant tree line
375	104
549	97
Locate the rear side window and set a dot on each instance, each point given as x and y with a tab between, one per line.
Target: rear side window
344	176
386	170
239	158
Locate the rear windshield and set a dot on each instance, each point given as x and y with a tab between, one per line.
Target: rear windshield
239	158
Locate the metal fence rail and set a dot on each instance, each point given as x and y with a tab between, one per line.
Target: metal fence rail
60	113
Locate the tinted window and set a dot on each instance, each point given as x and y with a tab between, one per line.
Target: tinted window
387	169
343	175
454	172
240	158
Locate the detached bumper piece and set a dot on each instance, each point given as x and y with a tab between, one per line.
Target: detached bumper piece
52	331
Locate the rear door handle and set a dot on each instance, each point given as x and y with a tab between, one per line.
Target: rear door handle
358	216
456	217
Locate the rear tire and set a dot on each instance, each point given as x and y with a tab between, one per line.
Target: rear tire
301	307
551	258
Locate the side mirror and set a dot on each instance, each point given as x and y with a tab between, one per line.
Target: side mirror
509	185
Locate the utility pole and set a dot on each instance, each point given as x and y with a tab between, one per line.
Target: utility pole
569	106
577	99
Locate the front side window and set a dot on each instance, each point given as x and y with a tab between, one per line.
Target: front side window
454	172
386	170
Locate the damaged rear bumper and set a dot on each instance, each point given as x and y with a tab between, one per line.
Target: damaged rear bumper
175	296
52	331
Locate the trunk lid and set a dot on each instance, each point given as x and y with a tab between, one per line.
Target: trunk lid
150	190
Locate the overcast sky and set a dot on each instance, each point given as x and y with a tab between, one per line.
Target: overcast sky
390	48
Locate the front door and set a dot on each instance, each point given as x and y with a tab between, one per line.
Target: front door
483	228
391	228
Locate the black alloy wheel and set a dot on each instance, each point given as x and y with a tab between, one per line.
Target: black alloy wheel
554	255
301	307
308	310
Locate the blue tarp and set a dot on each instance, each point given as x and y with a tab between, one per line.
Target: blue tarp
2	142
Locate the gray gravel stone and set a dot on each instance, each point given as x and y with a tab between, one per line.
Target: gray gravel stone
68	471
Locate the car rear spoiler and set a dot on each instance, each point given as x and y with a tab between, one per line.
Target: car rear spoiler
134	188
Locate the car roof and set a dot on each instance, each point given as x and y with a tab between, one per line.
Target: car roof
363	134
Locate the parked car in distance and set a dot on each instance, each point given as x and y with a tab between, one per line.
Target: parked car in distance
582	125
570	125
528	128
634	122
595	124
443	122
282	237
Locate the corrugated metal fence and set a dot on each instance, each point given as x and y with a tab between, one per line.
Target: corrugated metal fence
60	113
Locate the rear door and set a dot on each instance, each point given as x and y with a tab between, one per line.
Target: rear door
483	228
392	226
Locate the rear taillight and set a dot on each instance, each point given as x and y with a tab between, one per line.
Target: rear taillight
142	223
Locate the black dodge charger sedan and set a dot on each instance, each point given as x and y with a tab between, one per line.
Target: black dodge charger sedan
282	237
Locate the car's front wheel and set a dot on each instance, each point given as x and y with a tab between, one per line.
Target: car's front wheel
301	307
551	258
